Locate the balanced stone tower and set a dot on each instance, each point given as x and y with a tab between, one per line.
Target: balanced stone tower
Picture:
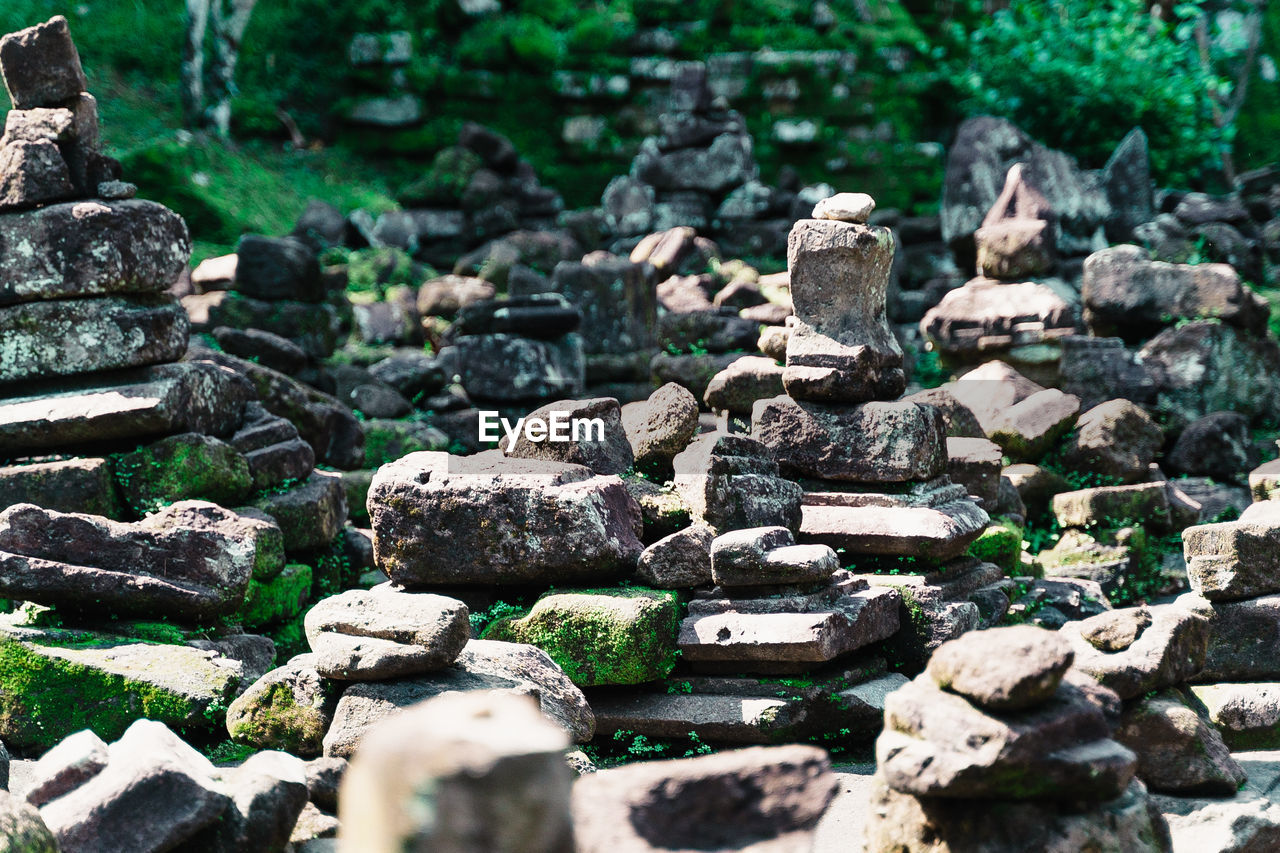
119	460
873	468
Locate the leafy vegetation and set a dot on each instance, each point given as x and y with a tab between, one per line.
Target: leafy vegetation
1079	75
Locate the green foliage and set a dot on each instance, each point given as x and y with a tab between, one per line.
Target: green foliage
1079	74
227	752
374	270
628	747
498	610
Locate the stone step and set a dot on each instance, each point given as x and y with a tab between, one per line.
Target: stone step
935	534
132	405
790	641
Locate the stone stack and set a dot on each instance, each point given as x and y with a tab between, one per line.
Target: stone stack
277	288
1146	655
683	175
1235	582
101	423
522	351
995	743
874	472
1004	312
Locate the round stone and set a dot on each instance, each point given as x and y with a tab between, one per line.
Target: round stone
1003	669
845	207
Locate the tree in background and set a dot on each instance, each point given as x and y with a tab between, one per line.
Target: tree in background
215	29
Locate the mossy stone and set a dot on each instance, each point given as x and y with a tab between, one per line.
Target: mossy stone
1000	543
601	637
182	467
279	599
55	682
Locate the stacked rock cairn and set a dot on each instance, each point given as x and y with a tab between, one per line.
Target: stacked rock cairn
117	457
873	468
997	746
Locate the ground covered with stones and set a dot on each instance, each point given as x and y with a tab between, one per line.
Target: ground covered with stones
950	534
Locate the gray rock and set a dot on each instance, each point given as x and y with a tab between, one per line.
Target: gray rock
439	519
977	164
1168	652
661	426
1114	439
312	326
1028	429
986	318
737	388
604	451
762	556
1178	751
70	336
1206	366
1114	506
1100	369
311	513
324	777
510	368
871	443
1126	293
1014	249
1217	445
268	792
33	173
678	560
41	66
1129	822
367	635
157	567
617	298
155	793
1235	560
322	421
756	798
67	766
1005	669
731	481
533	671
1248	821
1247	715
276	268
289	708
497	764
791	633
83	485
841	349
936	744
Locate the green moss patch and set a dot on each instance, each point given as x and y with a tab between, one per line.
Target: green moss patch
182	467
623	636
53	684
1000	543
277	600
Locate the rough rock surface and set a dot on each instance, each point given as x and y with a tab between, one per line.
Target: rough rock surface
441	519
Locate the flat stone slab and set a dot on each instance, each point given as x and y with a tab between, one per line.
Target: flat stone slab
90	248
71	336
935	534
1235	560
1244	638
54	682
728	719
875	442
441	519
767	635
185	397
158	567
